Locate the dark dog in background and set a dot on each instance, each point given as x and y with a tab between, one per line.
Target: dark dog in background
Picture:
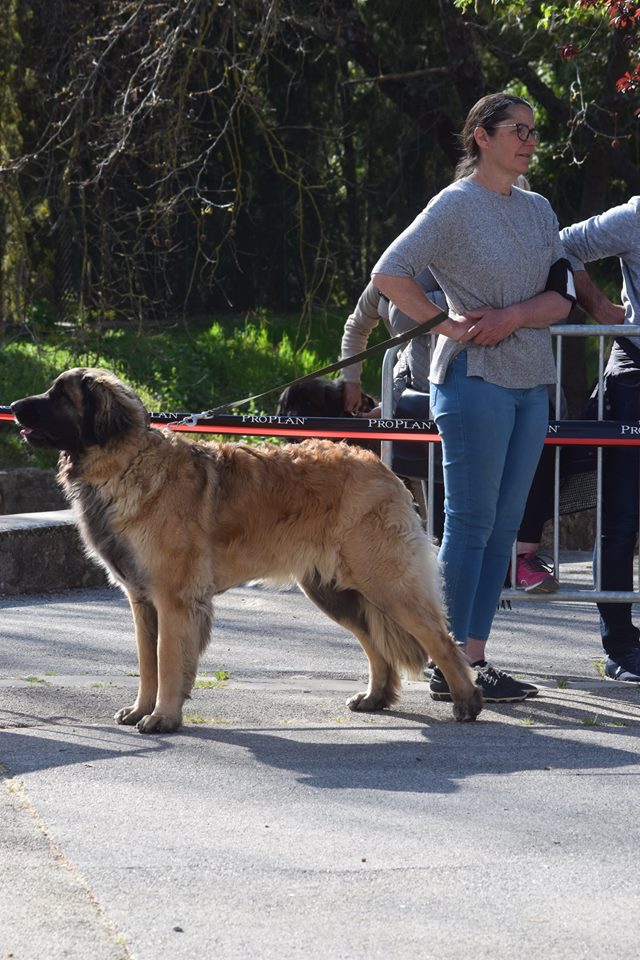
324	398
319	398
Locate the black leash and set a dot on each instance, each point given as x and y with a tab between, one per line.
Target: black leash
417	331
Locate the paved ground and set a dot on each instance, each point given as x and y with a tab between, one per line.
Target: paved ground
277	824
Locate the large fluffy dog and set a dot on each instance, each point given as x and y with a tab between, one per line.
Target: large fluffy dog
176	522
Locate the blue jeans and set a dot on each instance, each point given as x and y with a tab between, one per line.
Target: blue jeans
620	494
492	438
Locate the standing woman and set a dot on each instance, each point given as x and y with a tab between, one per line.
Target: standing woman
496	252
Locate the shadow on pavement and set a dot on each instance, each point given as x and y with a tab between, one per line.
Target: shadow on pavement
443	757
27	752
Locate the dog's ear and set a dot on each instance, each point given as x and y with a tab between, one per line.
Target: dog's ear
109	409
333	398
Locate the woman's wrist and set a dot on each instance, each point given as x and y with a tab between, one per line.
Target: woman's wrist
453	327
447	328
516	315
612	313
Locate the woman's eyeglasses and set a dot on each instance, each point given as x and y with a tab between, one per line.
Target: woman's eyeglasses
523	131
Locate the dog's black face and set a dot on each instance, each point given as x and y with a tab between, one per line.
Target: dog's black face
318	398
50	419
82	407
323	398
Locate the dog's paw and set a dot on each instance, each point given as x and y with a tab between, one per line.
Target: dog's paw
158	723
361	703
466	710
129	715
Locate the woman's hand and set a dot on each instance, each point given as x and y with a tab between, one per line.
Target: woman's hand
488	326
456	328
352	396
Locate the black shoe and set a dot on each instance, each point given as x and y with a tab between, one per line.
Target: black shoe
625	666
438	686
496	686
500	687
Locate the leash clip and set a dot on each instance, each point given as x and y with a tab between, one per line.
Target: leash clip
192	420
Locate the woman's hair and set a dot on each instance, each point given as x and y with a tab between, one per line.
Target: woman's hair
486	113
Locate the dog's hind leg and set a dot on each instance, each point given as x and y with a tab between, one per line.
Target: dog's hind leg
184	627
145	619
465	693
347	607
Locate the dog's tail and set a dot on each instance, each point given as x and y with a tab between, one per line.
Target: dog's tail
405	637
397	646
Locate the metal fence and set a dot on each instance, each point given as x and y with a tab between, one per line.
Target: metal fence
594	593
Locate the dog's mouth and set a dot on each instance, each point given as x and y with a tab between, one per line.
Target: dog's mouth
36	438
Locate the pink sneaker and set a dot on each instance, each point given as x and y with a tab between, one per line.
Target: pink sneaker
534	574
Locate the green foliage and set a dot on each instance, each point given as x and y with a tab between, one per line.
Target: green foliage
12	217
202	157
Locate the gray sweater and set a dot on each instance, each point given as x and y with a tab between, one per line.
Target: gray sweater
485	249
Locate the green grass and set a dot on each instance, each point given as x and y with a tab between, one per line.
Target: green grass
198	719
210	683
593	721
176	368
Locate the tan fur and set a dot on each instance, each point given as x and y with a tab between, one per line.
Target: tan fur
176	522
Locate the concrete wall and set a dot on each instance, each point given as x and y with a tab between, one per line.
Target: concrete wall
24	490
40	548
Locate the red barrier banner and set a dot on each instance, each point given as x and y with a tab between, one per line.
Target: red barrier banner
598	433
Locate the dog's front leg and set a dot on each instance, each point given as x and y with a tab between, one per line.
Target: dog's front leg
145	619
183	631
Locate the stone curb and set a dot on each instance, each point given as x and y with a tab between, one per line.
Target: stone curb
29	488
42	553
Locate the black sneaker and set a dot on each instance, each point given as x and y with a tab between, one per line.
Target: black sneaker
625	667
438	686
496	686
500	687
